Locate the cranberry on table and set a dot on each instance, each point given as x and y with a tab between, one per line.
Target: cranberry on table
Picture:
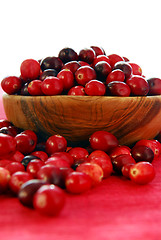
51	63
87	55
25	161
67	78
47	73
125	67
49	200
41	155
57	162
52	86
117	88
115	75
138	85
25	143
85	74
95	88
114	58
4	179
56	143
97	154
4	162
11	85
72	66
15	167
34	166
77	91
142	153
121	160
142	173
31	133
67	55
154	86
30	69
65	156
34	88
78	153
7	146
78	182
17	157
119	150
125	170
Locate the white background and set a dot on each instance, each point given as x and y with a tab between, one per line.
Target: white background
37	29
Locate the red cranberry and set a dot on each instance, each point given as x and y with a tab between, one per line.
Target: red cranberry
103	140
125	67
4	162
102	69
114	58
51	63
100	58
142	153
98	50
67	78
34	166
115	75
52	86
34	88
154	86
11	130
48	73
126	169
119	161
49	200
138	85
82	63
7	146
117	88
27	191
64	173
77	91
136	69
11	85
17	157
5	123
72	66
15	167
119	150
67	55
78	182
142	172
154	145
95	88
41	155
98	154
87	55
65	156
25	161
31	133
56	143
57	162
4	179
85	74
25	143
78	153
30	69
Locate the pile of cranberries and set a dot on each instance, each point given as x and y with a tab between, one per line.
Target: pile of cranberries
90	72
41	173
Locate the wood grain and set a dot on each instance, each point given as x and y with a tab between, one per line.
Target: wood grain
77	117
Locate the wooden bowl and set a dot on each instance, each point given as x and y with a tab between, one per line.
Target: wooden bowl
77	117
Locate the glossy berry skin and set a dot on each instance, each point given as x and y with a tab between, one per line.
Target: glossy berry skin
82	63
67	55
87	55
138	85
28	190
102	69
34	166
57	162
34	88
25	143
17	157
114	58
125	170
72	66
25	161
154	86
7	146
136	69
125	67
51	63
77	91
142	173
24	90
142	153
121	160
4	179
31	133
30	69
119	150
48	73
98	50
67	78
103	140
5	123
154	145
117	88
115	75
100	58
15	167
11	85
41	155
95	88
52	86
78	153
78	182
49	200
65	156
55	143
85	74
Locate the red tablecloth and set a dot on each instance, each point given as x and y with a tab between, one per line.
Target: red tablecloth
116	209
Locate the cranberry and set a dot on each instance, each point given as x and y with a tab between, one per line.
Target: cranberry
138	85
51	63
126	59
115	75
11	130
136	69
119	161
85	74
11	85
154	86
154	145
34	166
49	200
125	67
78	182
98	50
17	179
67	55
56	143
41	155
4	162
34	88
126	169
119	150
31	133
142	153
57	162
5	123
77	91
27	191
102	69
67	78
25	143
82	63
4	179
78	153
52	86
93	170
64	173
103	140
87	55
95	88
30	69
24	90
142	172
72	66
117	88
17	157
65	156
25	161
7	146
100	58
114	58
48	73
15	167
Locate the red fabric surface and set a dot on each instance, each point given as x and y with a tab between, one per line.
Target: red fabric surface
114	210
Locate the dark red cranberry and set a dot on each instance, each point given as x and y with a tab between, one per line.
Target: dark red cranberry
56	143
52	86
87	55
95	88
115	75
119	150
98	50
117	88
154	86
24	90
138	85
85	74
125	67
25	161
48	72
5	123
114	58
102	69
11	130
100	58
30	69
67	55
11	85
25	143
67	78
154	145
77	91
121	160
72	66
142	153
51	63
